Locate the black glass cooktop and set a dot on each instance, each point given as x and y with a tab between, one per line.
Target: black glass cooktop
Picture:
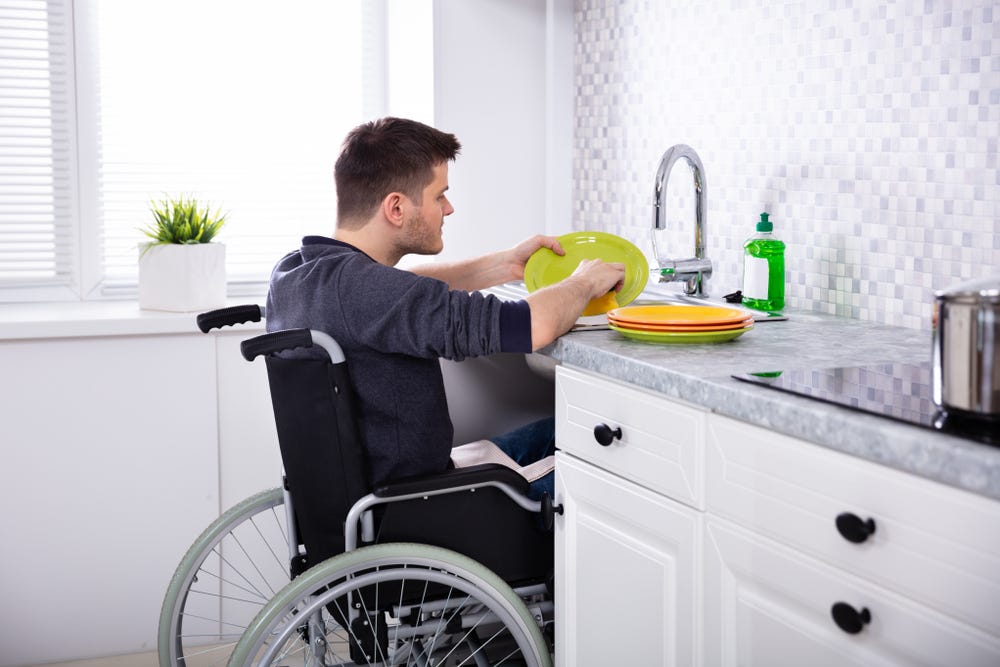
897	391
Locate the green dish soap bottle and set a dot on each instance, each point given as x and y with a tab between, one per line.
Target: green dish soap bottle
764	269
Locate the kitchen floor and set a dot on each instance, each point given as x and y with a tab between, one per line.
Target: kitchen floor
133	660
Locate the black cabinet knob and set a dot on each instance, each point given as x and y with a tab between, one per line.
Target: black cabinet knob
853	528
549	510
849	619
605	435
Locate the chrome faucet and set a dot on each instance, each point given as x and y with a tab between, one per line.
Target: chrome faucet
694	271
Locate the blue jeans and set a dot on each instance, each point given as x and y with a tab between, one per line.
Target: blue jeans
528	444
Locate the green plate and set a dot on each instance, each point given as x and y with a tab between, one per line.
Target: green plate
545	268
681	336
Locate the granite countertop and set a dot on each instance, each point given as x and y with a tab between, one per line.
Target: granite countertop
701	375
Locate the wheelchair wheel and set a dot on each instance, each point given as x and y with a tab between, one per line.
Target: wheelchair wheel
395	604
230	572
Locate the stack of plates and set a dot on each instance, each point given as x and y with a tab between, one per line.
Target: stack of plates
680	324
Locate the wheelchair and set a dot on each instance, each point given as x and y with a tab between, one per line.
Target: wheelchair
448	569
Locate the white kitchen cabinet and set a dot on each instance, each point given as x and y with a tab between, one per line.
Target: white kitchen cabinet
758	511
627	554
937	545
771	606
111	469
115	448
923	561
627	567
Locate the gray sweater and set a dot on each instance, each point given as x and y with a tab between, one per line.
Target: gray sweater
394	326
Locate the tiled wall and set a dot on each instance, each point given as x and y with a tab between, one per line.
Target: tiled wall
868	129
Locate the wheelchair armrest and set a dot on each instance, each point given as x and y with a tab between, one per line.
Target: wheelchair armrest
454	478
400	492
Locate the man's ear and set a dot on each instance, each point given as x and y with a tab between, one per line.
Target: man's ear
393	208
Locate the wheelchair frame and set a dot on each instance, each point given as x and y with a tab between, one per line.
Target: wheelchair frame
294	612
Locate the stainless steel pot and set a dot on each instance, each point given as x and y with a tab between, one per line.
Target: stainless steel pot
966	351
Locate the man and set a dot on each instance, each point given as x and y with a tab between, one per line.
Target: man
394	325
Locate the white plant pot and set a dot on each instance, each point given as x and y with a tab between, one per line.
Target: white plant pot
182	278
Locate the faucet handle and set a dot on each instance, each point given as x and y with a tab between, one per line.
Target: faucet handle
694	272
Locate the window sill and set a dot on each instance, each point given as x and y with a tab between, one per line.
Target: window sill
96	318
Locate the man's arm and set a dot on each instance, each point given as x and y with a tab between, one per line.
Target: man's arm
489	270
555	309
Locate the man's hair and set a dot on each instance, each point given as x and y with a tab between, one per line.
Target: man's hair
384	156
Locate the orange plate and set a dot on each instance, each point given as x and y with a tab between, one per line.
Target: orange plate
677	315
689	337
681	328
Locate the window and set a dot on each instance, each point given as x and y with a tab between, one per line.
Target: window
106	105
37	163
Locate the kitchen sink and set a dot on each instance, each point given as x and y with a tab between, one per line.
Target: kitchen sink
668	294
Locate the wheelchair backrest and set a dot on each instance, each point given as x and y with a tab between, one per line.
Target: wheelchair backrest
316	417
315	412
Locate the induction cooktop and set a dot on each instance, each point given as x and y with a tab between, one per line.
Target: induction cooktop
894	390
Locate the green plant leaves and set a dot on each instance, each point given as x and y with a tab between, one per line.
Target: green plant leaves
182	220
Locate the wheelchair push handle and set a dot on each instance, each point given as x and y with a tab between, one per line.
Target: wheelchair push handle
224	317
290	339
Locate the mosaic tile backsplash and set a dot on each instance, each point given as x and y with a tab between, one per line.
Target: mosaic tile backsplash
867	129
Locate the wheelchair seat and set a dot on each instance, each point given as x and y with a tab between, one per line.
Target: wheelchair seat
480	511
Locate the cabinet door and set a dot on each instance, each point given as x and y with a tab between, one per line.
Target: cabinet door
627	567
770	606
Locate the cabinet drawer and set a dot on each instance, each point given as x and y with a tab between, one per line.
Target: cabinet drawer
661	443
770	606
933	543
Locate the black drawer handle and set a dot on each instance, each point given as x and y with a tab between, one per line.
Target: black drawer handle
849	619
605	435
853	528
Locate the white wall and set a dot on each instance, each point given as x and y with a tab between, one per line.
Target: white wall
867	129
110	467
491	70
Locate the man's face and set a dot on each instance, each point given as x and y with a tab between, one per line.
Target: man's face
422	229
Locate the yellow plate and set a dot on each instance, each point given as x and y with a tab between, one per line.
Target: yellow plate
545	268
681	337
678	315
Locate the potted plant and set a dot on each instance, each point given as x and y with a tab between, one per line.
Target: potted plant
181	269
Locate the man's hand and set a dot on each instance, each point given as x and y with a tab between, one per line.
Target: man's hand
554	309
518	256
600	277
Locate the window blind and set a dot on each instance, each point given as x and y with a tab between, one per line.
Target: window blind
37	158
107	105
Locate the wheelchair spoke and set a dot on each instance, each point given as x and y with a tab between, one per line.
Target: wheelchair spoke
430	651
193	657
260	598
267	543
240	573
385	605
234	568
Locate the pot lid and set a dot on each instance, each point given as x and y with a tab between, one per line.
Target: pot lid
973	291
